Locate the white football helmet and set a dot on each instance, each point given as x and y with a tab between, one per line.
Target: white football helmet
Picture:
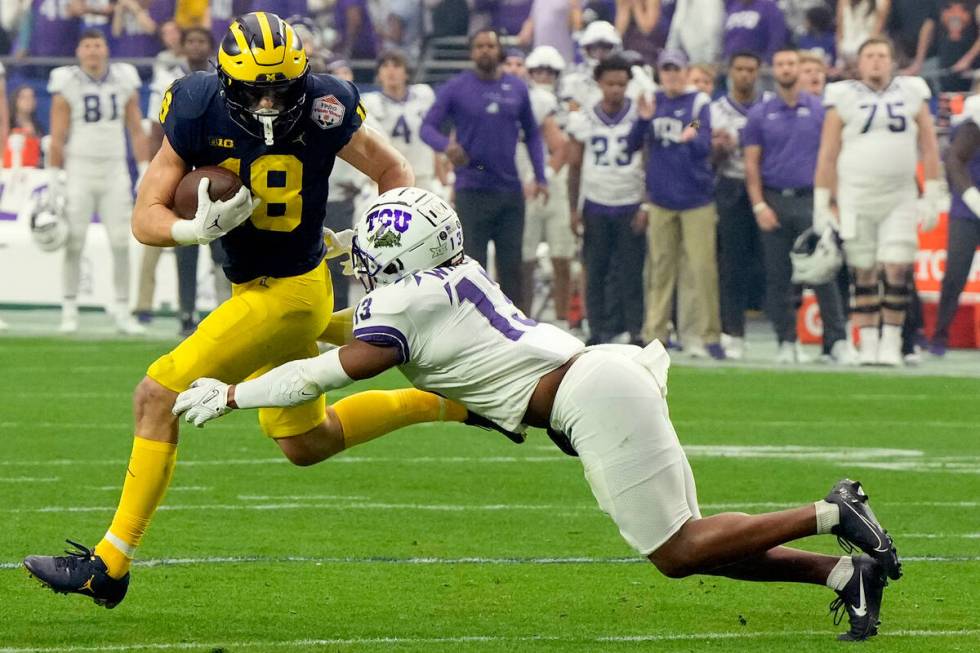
816	258
404	231
545	56
598	32
49	226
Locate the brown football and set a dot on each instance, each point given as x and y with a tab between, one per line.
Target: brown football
224	185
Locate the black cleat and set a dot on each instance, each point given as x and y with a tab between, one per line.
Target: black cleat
79	572
861	600
859	527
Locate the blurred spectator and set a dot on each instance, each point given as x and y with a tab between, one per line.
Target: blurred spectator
754	26
356	38
552	22
282	8
813	73
50	29
680	185
819	36
506	16
223	12
545	219
594	10
697	29
782	139
635	22
857	21
906	27
488	109
135	26
96	15
5	117
403	27
954	29
316	53
963	171
702	77
795	14
191	13
609	177
168	66
24	123
738	234
447	18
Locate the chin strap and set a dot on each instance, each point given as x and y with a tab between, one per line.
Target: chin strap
267	128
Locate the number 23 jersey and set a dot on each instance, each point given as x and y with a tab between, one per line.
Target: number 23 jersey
284	236
879	144
459	336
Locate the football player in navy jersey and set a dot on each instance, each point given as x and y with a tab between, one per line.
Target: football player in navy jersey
265	117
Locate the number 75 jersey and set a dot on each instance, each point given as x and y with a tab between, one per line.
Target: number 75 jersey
880	138
459	336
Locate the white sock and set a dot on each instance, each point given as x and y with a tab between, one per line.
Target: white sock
828	516
891	332
868	334
841	574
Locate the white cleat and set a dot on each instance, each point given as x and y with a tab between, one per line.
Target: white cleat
129	327
696	351
890	347
3	325
69	318
868	347
734	347
791	353
842	353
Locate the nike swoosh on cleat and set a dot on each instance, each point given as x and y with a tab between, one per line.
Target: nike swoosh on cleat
861	609
880	548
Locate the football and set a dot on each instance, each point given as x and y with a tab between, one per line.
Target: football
224	185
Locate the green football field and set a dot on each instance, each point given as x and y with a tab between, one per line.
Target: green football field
445	538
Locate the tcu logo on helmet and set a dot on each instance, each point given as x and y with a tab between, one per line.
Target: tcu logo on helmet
396	219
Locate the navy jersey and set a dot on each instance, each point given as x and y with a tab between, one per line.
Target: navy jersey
284	236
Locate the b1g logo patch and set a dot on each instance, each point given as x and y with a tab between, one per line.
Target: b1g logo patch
327	112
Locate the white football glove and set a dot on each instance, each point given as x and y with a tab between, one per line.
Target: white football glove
214	218
823	214
930	205
205	400
57	183
338	243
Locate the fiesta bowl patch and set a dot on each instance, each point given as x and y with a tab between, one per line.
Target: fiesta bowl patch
328	112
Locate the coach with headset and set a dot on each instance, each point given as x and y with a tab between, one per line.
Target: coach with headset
488	109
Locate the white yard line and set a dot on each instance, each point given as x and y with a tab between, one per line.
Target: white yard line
473	639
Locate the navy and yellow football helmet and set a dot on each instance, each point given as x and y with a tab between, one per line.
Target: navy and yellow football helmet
263	68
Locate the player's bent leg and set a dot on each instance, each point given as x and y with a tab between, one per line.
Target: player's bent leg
324	440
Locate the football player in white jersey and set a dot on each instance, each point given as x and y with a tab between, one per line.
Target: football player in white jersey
875	132
437	316
93	105
397	110
599	40
4	129
545	220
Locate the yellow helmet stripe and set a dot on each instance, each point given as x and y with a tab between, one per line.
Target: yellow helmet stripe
268	42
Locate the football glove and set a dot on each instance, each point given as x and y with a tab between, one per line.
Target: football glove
338	243
823	214
214	218
930	205
205	400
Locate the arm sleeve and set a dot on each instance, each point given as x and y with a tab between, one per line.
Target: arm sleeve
532	138
752	132
430	131
701	145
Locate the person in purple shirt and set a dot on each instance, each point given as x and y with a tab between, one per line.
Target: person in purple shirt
352	20
50	29
223	13
781	140
680	184
754	26
506	16
488	109
135	26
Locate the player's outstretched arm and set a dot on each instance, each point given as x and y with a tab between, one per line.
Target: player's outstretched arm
368	151
291	384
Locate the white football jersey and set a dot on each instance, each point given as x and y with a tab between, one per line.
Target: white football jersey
98	109
730	116
461	337
544	103
580	87
611	176
401	122
879	144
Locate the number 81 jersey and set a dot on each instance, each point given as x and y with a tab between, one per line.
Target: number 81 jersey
284	236
879	145
459	336
98	109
